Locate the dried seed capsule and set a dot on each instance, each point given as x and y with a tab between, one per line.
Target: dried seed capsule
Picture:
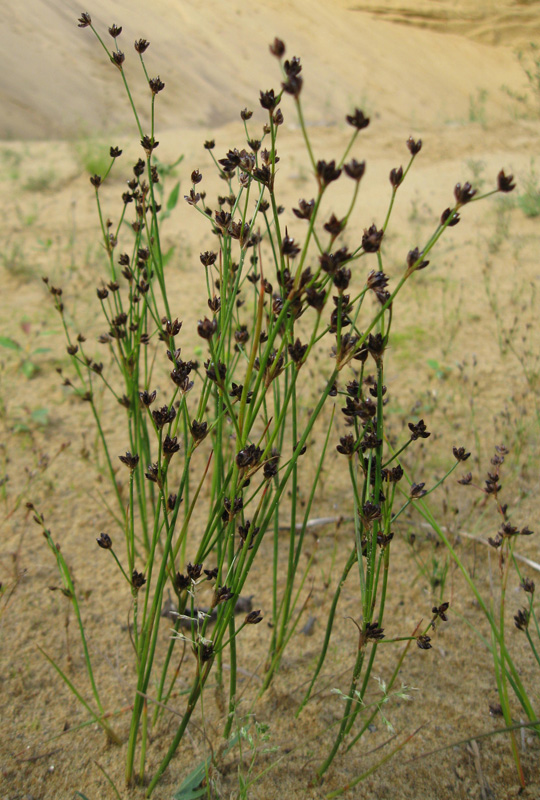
104	541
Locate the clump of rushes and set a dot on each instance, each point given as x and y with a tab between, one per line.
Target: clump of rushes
508	676
233	422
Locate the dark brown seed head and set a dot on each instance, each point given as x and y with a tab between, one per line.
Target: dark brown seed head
464	194
118	59
214	304
138	170
141	45
209	144
277	48
137	580
268	100
376	345
170	446
216	372
527	585
505	182
171	328
248	457
147	398
417	490
149	144
414	147
156	85
315	299
355	169
327	171
254	617
270	468
115	31
423	642
376	280
460	454
222	220
455	217
294	82
245	114
297	352
221	595
85	20
440	611
104	541
372	238
194	571
342	277
208	258
207	327
199	430
396	176
172	500
415	261
346	445
334	226
241	335
395	474
357	120
163	416
289	247
370	441
152	472
130	460
231	509
204	651
521	619
305	209
115	152
182	581
418	431
372	632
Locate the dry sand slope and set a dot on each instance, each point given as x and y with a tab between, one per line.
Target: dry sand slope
55	83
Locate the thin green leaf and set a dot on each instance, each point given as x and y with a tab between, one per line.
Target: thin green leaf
11	344
167	255
191	786
173	197
40	415
28	369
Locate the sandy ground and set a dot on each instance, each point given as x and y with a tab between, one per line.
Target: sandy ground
464	355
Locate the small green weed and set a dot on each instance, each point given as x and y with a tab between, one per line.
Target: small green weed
27	354
44	181
477	107
93	156
529	197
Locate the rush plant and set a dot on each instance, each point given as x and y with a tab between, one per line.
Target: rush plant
225	443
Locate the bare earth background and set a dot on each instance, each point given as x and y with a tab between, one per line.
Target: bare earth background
431	69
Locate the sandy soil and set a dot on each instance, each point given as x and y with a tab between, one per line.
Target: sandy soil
432	69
